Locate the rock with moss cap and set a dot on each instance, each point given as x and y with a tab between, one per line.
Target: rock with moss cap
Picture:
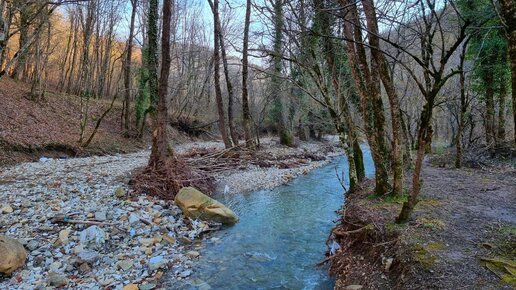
196	204
12	255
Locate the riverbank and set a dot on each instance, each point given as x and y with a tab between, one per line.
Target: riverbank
81	230
462	234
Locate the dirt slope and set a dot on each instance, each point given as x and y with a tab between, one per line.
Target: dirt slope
29	128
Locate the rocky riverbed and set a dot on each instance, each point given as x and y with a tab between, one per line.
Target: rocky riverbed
82	231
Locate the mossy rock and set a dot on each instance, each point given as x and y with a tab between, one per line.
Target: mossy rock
196	204
503	267
12	255
424	257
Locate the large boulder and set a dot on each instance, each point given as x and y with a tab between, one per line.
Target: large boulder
12	255
196	204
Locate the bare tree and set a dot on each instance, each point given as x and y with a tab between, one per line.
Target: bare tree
216	73
127	66
246	118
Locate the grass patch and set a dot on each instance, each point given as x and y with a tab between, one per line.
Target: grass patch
424	257
394	227
429	202
431	223
389	198
502	259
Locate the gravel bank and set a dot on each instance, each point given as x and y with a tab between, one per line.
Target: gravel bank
136	241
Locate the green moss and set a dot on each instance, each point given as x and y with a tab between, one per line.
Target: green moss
503	267
424	257
439	149
429	202
394	227
435	246
502	259
431	223
389	198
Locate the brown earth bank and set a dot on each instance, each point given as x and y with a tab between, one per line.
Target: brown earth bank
50	126
462	234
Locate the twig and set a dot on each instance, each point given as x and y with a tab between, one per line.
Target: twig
84	222
385	243
366	227
325	260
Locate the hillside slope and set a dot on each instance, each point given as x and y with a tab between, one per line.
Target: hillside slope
51	126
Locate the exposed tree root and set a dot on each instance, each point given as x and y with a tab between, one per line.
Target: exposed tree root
365	246
167	179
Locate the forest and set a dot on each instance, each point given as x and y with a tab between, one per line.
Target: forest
257	144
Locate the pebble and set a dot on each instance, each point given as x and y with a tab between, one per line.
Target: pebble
56	279
120	193
101	216
87	256
156	263
131	287
147	286
185	273
63	237
32	245
125	264
6	209
192	254
94	236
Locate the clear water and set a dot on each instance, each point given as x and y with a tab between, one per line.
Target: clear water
280	237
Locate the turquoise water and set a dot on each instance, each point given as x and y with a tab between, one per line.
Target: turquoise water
280	237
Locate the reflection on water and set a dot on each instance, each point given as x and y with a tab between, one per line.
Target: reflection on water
280	237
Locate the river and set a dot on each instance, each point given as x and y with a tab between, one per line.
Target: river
280	236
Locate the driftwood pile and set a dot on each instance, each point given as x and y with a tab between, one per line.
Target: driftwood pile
239	158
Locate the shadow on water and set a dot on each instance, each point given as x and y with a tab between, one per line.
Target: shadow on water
280	237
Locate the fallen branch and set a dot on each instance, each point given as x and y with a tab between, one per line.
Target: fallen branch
325	261
366	227
65	220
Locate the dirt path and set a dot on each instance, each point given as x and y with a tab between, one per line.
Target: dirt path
465	215
462	234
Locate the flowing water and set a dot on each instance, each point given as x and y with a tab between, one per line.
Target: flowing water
280	236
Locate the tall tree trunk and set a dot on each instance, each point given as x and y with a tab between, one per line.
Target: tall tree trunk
216	65
358	155
462	110
508	11
424	138
152	56
75	51
160	149
127	67
229	85
246	113
368	92
86	74
490	108
344	125
64	62
379	58
501	110
407	156
5	26
19	71
278	103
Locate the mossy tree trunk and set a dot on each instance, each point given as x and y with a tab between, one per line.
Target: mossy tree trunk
160	151
381	63
280	113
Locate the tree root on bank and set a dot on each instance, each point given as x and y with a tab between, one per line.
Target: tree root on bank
168	178
365	246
